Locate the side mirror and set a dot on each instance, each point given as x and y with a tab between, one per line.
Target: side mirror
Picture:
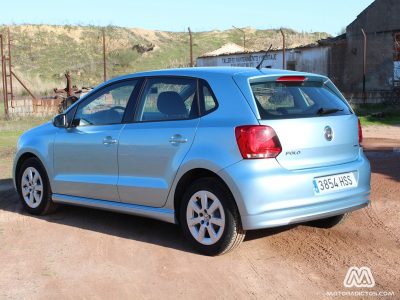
60	121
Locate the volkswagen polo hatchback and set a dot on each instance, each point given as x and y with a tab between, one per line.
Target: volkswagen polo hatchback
217	150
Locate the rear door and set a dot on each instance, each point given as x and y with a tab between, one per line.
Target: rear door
152	148
315	125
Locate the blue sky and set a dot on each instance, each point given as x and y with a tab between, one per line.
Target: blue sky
301	15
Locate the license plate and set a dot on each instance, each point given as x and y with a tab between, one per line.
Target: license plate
333	183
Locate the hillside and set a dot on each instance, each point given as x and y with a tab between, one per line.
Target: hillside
42	53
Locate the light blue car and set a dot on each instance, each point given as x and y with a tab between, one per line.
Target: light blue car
217	150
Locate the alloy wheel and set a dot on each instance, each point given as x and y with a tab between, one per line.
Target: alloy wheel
32	187
205	217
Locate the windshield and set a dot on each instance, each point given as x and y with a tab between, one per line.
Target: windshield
281	100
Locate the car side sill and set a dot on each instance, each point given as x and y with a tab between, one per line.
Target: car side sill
162	214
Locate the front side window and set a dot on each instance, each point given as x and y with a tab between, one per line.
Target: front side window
168	99
108	107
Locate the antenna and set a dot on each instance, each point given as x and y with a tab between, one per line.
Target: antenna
262	60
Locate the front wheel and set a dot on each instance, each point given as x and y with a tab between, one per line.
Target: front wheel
209	217
34	188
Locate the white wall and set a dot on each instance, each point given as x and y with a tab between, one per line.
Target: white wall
314	60
27	107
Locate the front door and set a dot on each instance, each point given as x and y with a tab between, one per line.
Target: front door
153	147
85	155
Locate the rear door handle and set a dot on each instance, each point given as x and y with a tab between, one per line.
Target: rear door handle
108	140
177	139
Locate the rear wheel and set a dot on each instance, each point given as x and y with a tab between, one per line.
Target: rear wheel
34	188
329	222
209	217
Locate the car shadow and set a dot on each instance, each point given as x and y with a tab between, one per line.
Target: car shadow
262	233
121	225
115	224
385	162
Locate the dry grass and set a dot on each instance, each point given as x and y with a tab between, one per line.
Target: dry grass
43	53
10	130
38	86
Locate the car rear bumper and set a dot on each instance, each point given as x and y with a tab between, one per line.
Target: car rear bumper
268	195
305	213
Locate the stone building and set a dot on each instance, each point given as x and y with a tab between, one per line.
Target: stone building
381	24
342	57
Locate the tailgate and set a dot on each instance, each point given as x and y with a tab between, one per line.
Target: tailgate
305	145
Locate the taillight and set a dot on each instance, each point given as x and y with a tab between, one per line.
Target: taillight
360	134
291	79
257	141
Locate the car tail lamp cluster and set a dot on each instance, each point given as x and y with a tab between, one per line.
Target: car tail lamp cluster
257	141
360	134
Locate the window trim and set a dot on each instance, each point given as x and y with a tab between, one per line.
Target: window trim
96	93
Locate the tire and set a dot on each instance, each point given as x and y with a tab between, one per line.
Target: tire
211	232
34	188
329	222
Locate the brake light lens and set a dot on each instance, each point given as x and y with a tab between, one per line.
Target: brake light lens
290	79
257	141
360	134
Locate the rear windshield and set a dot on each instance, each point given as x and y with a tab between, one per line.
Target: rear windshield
277	100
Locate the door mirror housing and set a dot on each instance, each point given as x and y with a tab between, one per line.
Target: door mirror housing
60	121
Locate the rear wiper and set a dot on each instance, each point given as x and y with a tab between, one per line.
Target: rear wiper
327	111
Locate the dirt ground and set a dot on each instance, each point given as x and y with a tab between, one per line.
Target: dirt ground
79	253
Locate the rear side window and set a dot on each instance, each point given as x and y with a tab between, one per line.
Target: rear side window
168	98
277	100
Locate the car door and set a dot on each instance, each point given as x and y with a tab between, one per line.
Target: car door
152	148
85	154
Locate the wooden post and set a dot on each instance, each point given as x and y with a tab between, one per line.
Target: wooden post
104	56
190	47
69	83
283	50
364	65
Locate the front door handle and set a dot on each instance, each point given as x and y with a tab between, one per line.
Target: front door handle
108	140
177	139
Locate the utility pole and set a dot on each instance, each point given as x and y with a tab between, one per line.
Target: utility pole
244	36
104	56
364	65
283	49
190	47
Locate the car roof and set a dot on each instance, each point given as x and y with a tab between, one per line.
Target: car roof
206	72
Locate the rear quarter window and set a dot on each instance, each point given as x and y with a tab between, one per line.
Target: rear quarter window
276	100
208	102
